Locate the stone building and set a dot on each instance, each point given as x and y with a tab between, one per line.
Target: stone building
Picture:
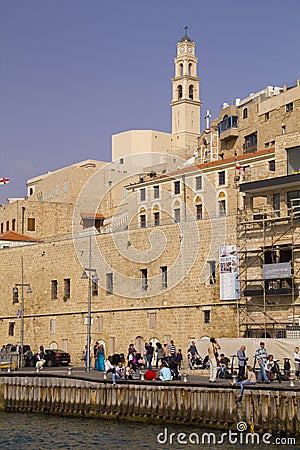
148	229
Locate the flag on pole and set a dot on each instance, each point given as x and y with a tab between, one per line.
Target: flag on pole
4	180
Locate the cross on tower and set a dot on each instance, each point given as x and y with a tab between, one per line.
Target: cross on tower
207	117
185	29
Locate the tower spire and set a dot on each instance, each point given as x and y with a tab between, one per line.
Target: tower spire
185	29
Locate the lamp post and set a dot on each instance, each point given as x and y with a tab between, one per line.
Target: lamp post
94	278
21	313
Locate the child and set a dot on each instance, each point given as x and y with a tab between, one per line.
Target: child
179	356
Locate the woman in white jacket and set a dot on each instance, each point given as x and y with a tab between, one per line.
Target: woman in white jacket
297	363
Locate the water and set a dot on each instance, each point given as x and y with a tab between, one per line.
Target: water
46	432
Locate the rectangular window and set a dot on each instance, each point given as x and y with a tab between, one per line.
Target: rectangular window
57	191
65	188
143	194
45	196
2	227
222	208
267	116
289	107
64	345
199	183
199	211
112	345
250	144
99	324
156	219
54	289
7	225
109	283
212	272
176	187
143	220
164	276
283	129
67	288
121	160
177	214
152	319
144	275
156	191
94	288
31	224
272	165
207	316
52	326
222	178
276	204
11	328
50	194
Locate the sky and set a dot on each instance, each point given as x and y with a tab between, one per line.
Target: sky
75	72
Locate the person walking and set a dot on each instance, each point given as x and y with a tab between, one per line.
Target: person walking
261	356
242	361
172	348
296	363
159	354
150	351
100	358
213	348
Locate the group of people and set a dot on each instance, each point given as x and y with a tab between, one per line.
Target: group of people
168	361
166	356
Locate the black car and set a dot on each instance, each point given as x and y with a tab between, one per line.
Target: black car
52	358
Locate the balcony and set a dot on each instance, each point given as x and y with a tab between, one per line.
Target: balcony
228	127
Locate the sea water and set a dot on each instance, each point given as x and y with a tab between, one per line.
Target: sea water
46	432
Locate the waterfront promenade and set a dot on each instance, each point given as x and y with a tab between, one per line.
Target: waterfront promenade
72	391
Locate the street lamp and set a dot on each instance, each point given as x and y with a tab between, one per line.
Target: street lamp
93	278
21	312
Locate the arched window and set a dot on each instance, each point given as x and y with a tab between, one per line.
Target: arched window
190	69
179	92
199	209
245	113
176	211
156	215
143	222
191	92
222	204
180	70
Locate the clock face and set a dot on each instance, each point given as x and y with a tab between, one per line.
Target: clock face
190	49
181	49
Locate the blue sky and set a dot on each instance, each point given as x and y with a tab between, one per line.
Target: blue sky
74	72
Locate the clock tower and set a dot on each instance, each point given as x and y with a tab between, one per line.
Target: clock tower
185	99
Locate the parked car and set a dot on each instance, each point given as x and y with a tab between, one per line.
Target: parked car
53	358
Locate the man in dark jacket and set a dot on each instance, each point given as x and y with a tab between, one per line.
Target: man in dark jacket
242	361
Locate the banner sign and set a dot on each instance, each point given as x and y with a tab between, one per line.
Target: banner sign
229	271
275	271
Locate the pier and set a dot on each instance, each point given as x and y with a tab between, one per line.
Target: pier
274	408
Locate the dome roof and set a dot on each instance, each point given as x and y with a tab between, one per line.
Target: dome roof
186	38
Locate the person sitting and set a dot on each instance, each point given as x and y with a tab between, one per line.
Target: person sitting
269	366
250	380
223	366
150	375
165	373
119	373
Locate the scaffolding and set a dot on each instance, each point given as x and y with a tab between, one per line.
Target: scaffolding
268	245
